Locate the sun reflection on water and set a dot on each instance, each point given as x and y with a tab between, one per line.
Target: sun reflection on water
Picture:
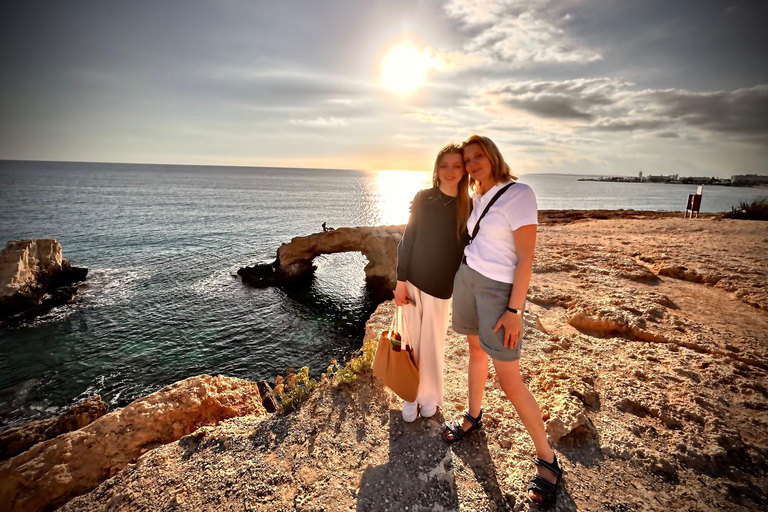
394	193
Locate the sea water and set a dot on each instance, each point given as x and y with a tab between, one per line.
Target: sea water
162	244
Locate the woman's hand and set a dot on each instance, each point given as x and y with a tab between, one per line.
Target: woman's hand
513	326
401	294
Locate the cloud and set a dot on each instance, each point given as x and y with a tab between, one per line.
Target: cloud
570	99
513	33
627	125
667	135
743	111
527	39
320	122
610	105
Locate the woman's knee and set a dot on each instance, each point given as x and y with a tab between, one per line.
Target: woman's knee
509	377
475	351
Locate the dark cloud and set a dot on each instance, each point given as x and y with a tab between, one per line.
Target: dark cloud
549	106
571	99
744	111
628	125
615	107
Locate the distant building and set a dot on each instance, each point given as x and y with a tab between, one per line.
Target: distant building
749	179
662	179
640	176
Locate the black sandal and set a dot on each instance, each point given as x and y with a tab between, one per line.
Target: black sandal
543	486
458	433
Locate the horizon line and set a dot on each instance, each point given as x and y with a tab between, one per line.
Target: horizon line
2	160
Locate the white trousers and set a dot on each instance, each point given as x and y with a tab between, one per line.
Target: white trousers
424	327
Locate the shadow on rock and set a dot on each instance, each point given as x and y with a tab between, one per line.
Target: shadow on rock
473	451
418	475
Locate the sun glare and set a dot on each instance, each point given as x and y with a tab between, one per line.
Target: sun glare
404	69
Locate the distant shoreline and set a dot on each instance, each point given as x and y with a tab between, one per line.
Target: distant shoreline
568	216
698	181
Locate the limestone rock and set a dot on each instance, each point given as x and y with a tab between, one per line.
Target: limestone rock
17	440
566	415
34	277
51	473
294	259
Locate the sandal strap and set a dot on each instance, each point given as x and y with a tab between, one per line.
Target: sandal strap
553	466
475	422
543	487
454	428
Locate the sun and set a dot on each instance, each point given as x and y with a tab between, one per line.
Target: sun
404	69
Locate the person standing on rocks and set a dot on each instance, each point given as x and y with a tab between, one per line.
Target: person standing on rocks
427	259
489	309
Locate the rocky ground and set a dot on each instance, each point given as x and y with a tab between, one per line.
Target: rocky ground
646	346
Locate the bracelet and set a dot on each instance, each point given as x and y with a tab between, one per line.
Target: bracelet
515	311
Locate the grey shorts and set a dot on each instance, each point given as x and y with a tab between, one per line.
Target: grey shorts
478	303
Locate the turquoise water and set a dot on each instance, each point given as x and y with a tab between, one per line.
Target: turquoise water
162	242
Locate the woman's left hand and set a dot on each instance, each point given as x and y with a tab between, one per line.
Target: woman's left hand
512	324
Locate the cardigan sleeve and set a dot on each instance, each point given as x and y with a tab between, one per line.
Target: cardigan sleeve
405	247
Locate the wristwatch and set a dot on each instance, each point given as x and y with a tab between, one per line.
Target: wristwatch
515	311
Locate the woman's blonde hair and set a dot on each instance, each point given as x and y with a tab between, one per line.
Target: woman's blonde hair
462	209
500	171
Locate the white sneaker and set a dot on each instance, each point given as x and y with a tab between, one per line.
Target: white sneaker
427	411
410	411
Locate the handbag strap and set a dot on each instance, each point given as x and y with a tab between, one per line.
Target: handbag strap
488	207
392	323
397	323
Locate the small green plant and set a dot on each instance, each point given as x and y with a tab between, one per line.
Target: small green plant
756	209
294	389
360	363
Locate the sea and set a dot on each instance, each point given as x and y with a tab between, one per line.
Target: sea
163	243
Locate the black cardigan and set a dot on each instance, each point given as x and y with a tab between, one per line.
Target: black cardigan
429	253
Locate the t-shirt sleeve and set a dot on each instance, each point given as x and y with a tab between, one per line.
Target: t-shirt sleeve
522	210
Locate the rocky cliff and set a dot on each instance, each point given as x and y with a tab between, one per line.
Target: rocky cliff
34	277
52	472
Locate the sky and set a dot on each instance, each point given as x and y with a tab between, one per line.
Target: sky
573	86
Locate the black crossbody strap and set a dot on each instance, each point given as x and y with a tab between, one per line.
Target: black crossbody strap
488	207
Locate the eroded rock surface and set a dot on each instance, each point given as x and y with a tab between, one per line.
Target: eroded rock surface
50	473
34	277
16	440
294	259
653	390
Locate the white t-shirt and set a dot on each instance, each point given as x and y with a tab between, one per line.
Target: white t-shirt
492	252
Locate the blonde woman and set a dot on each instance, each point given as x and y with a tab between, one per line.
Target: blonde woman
427	259
489	299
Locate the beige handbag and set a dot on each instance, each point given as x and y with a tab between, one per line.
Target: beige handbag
397	369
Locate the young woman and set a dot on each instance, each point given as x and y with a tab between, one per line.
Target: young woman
427	259
489	299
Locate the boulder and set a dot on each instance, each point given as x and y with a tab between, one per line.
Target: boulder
52	472
16	440
34	278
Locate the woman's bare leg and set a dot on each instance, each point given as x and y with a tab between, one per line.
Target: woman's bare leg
477	375
528	409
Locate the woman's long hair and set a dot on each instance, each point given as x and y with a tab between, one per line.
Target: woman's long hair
462	198
500	171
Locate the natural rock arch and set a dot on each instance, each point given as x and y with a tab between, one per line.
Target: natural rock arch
295	259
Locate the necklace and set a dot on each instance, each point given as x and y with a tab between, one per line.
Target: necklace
445	203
